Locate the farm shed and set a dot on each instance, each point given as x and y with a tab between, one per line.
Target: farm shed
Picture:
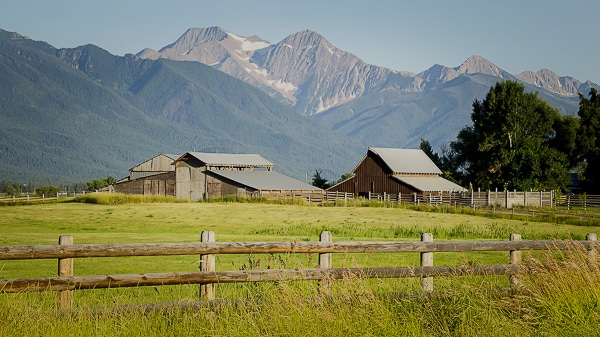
204	175
155	176
396	171
161	163
255	183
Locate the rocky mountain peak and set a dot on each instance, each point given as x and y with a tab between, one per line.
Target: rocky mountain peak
148	53
14	35
304	38
549	80
438	74
478	64
197	36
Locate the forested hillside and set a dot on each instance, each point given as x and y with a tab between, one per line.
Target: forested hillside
74	114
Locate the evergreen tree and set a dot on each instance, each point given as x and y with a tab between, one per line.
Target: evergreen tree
425	146
319	181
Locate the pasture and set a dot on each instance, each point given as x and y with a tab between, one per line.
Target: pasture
460	306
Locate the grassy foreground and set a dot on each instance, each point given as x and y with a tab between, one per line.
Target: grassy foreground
561	298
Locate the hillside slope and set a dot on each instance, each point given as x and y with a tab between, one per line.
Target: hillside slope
75	114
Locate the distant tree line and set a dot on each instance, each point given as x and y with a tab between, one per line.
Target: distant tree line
96	184
518	141
17	189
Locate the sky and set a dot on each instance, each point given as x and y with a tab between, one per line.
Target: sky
515	35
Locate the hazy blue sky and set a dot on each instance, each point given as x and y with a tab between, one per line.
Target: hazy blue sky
516	35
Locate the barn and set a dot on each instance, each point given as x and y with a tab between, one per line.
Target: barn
155	176
396	171
207	175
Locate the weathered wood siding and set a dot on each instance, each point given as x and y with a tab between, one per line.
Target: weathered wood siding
158	184
156	165
190	179
372	175
217	187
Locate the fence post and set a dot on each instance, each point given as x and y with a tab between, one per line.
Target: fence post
472	199
65	268
325	261
515	259
427	261
207	263
593	238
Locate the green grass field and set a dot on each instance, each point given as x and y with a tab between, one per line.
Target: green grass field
468	306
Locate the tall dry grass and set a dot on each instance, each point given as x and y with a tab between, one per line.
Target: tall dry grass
122	198
558	295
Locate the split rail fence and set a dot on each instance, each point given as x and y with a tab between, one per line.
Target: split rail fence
208	277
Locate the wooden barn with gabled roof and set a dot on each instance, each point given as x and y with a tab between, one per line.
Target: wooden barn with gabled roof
396	171
155	176
206	175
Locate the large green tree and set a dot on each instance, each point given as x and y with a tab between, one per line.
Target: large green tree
509	144
588	141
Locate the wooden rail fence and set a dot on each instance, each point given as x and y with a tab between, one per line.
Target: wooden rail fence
29	199
66	282
503	199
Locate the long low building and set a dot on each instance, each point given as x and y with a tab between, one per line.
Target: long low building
199	175
202	175
255	183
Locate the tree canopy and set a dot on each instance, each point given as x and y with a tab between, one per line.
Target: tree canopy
96	184
510	144
588	141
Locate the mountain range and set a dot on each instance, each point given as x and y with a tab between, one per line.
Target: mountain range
70	115
80	113
376	105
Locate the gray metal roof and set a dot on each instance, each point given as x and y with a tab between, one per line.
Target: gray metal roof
406	161
265	180
228	159
430	183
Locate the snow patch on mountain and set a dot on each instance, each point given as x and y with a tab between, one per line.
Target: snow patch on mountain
310	73
248	44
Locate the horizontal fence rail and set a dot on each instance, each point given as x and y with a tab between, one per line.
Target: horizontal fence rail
193	248
240	276
580	201
207	277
